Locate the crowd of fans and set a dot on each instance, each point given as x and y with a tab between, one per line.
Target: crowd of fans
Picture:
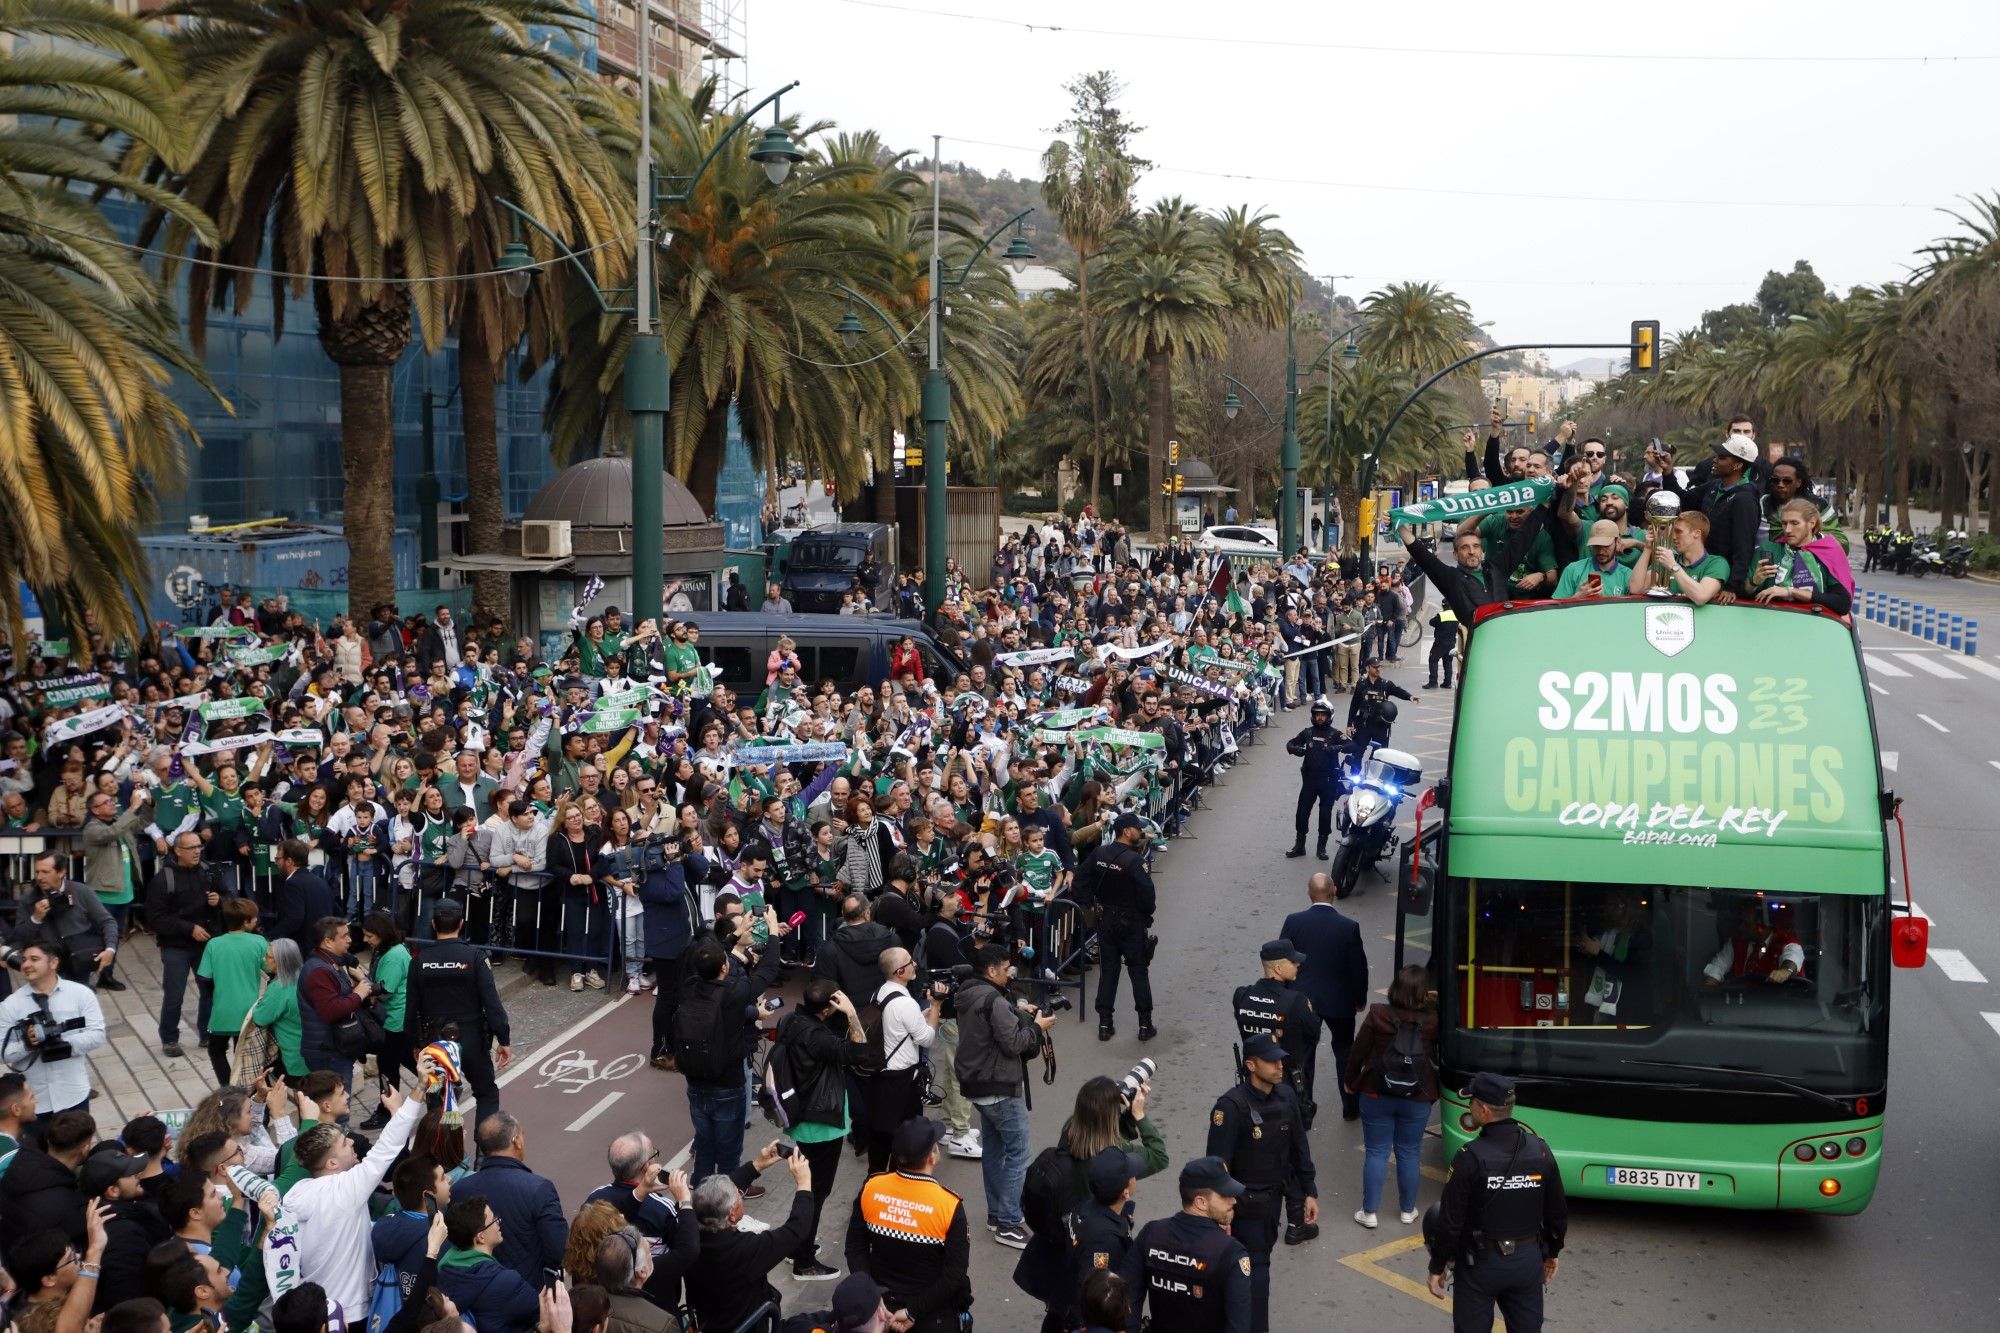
335	833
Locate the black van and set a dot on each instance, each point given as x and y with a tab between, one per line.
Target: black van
822	563
848	650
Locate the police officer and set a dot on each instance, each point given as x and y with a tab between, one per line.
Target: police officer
1319	775
1502	1219
1100	1228
451	982
1271	1008
1256	1128
1118	881
1194	1275
1369	711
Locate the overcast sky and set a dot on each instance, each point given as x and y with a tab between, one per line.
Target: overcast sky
1566	166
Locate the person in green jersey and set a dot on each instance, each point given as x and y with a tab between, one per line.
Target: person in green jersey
682	662
1598	574
390	972
279	1009
1689	569
1042	873
234	963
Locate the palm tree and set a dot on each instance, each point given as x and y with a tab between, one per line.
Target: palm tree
87	339
1165	299
1088	188
359	137
1364	396
1415	325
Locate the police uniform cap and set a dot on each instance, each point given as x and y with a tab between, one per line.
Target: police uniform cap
1493	1089
1124	822
448	911
1262	1046
1110	1171
1211	1173
855	1300
914	1139
1280	951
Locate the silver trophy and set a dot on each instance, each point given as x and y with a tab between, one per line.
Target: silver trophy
1662	508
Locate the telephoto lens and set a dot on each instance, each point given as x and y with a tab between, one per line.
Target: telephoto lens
1128	1087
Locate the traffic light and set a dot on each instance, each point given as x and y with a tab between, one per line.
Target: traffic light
1173	453
1645	346
1367	517
1534	419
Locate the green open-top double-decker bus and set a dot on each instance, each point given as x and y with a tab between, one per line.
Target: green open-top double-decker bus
1661	900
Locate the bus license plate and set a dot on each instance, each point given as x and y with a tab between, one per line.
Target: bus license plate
1653	1180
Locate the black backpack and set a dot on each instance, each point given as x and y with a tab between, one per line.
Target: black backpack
708	1040
1049	1194
1404	1059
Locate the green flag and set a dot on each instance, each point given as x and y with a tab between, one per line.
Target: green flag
1494	499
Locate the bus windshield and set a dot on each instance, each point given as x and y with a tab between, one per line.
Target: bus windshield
1638	982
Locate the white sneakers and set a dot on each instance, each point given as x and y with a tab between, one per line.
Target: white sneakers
593	979
1365	1218
632	986
964	1145
1409	1219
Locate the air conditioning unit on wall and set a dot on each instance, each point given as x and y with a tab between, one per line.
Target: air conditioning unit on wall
545	539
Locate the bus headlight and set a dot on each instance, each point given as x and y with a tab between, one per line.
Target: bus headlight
1805	1152
1856	1147
1829	1150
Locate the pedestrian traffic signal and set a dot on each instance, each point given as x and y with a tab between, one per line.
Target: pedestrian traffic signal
1645	346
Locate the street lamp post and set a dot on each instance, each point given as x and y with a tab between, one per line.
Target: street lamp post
936	403
1289	518
649	371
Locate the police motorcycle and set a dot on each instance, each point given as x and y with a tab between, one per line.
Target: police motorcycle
1373	786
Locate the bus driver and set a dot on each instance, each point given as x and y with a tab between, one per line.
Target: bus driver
1757	950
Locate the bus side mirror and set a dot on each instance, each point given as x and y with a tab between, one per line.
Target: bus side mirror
1416	891
1910	941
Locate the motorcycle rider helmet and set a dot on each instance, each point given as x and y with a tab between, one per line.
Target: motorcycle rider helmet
1321	704
1385	712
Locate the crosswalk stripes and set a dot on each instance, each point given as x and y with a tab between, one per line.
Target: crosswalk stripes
1923	663
1882	666
1979	664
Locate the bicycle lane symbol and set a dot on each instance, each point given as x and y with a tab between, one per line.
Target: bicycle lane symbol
573	1071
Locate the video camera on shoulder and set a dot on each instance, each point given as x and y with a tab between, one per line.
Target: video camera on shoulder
42	1033
657	851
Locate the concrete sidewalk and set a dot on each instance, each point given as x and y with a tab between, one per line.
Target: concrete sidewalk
130	1076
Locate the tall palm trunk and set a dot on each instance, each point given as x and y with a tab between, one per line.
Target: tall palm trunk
885	475
366	342
484	504
1090	374
1159	425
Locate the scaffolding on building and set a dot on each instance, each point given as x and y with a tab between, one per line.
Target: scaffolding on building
727	56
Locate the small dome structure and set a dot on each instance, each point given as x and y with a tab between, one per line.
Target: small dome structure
597	493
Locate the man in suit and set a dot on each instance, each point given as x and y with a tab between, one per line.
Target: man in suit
300	899
1334	977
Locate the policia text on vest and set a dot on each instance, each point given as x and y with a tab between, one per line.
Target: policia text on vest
1502	1220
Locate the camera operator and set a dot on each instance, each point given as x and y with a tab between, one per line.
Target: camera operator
62	911
995	1038
184	905
47	1027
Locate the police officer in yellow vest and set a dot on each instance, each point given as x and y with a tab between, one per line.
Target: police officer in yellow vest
1502	1220
1444	646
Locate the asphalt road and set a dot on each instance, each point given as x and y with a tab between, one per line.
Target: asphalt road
1924	1248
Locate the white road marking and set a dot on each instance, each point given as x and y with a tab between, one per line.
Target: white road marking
1877	688
1957	966
1882	666
1992	1021
1889	760
1923	663
519	1066
1994	762
603	1105
1935	723
1979	664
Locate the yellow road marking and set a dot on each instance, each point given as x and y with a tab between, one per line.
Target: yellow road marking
1368	1263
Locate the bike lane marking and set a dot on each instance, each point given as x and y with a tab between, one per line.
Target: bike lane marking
519	1066
604	1104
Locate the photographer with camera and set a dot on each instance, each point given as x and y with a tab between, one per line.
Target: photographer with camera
62	911
184	905
946	963
995	1039
1109	1117
821	1039
45	1026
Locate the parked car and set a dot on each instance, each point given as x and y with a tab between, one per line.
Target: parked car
1240	539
